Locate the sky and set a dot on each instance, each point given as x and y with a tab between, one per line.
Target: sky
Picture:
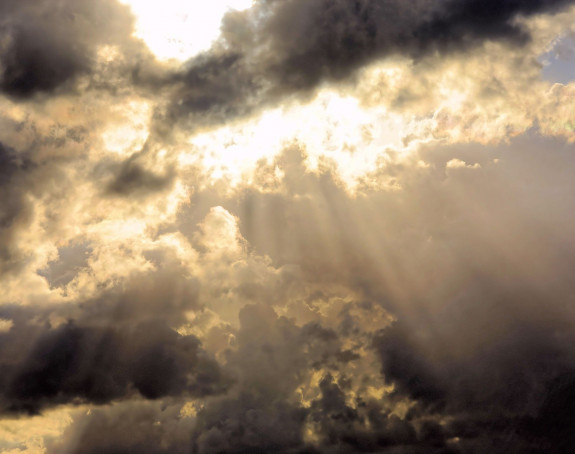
287	226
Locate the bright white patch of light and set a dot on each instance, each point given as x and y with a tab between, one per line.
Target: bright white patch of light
333	126
129	130
179	29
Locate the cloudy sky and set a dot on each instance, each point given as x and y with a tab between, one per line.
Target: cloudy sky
288	226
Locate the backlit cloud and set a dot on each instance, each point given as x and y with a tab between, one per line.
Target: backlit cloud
297	226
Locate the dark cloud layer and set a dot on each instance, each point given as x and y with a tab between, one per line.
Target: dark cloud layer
282	48
74	364
46	45
119	346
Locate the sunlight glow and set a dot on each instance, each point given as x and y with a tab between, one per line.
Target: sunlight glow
129	131
177	29
333	126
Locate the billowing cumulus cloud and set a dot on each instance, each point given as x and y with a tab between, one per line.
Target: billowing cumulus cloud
345	227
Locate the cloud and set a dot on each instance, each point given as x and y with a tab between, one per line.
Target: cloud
115	347
21	178
384	268
13	169
484	328
74	364
276	50
131	427
47	46
132	178
302	333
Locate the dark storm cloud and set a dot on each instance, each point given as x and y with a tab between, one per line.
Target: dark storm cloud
278	49
119	346
46	45
74	364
